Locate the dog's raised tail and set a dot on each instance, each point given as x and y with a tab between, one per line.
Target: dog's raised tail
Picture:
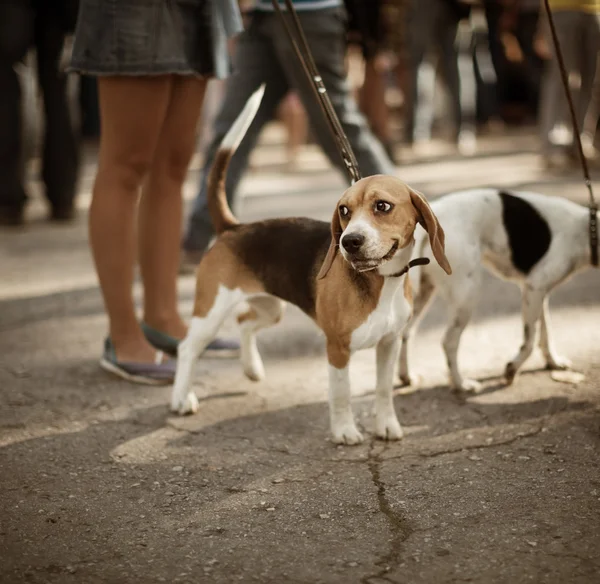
220	213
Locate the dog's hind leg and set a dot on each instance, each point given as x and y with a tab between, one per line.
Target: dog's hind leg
264	311
532	307
201	331
553	361
420	303
461	303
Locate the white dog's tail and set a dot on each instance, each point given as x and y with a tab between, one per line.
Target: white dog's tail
220	213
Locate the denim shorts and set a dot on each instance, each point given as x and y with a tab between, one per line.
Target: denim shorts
143	37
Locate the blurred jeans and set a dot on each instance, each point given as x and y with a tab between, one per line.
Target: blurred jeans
264	54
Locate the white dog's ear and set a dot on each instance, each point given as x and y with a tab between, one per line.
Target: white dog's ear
431	224
336	233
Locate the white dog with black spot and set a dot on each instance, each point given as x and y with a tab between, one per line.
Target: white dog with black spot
534	240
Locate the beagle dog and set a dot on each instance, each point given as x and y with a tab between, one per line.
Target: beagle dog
534	240
349	276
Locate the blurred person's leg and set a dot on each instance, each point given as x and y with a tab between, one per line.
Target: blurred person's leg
394	20
589	57
60	154
592	117
526	29
486	98
215	91
587	104
554	117
325	33
294	119
422	16
16	36
372	102
493	15
374	41
460	72
448	65
254	63
160	208
133	112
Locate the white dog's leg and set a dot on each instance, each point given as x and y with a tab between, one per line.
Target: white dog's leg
343	428
421	300
386	422
200	332
553	361
531	307
264	311
459	316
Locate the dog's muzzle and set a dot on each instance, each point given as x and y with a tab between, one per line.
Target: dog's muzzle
352	244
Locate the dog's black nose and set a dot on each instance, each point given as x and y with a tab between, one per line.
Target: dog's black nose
353	242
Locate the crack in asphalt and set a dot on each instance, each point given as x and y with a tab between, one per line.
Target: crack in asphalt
465	448
482	446
400	530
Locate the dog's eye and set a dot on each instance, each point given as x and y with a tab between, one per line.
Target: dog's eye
344	211
383	207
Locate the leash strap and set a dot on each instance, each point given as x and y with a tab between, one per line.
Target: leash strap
411	264
584	164
305	57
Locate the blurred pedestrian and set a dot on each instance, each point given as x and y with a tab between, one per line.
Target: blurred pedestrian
152	60
263	54
525	30
26	24
367	30
394	16
433	27
577	24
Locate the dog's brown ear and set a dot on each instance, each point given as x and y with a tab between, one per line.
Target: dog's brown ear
431	224
336	232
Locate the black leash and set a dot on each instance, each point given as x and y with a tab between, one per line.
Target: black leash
584	165
308	63
408	266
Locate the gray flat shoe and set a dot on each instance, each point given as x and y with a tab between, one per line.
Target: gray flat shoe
219	348
157	373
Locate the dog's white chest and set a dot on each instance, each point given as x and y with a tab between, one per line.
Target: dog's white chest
390	316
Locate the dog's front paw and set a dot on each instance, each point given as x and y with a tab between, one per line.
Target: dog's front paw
252	363
346	433
468	386
559	364
189	405
254	370
388	428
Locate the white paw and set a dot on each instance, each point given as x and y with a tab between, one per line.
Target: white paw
468	386
254	370
346	433
189	405
388	428
559	364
